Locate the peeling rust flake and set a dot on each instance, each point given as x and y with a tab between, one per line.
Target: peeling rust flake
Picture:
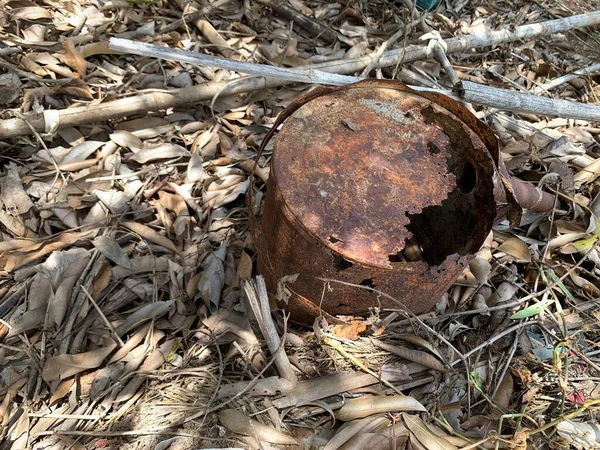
379	189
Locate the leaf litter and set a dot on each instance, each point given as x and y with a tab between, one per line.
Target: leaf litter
124	244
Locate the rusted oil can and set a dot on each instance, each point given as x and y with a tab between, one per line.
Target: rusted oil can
379	196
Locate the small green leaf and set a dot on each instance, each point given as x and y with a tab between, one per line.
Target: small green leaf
532	310
583	245
560	284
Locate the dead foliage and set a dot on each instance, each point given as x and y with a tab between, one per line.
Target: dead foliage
125	250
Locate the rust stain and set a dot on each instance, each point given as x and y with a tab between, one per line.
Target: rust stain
380	189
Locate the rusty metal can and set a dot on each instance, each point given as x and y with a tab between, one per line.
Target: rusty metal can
378	196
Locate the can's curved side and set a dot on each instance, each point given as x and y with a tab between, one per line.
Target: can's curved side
286	248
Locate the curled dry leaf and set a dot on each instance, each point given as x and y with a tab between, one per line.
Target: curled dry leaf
117	202
368	405
112	250
64	366
423	358
351	429
151	235
516	248
126	139
81	152
237	422
425	435
156	359
162	151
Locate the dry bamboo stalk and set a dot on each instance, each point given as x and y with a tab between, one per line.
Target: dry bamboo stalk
259	301
527	103
187	96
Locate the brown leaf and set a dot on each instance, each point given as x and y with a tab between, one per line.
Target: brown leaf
516	248
504	394
352	330
237	422
357	408
112	250
73	58
63	389
64	366
424	435
30	13
163	151
151	235
423	358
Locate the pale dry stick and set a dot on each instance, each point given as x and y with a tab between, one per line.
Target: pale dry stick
545	87
525	103
103	317
441	56
156	101
256	291
466	90
310	76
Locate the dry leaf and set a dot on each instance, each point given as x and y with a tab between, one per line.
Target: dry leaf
12	193
365	406
237	422
64	366
117	202
112	250
144	314
10	88
166	150
63	389
73	58
425	436
516	248
151	235
212	279
30	13
423	358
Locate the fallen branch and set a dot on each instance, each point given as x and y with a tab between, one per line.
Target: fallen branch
467	91
148	102
526	103
565	78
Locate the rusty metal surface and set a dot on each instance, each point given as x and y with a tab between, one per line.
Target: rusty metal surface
380	189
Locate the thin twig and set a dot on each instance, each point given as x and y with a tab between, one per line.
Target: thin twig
103	317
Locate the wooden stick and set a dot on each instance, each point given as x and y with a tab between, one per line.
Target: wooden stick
565	78
309	76
527	103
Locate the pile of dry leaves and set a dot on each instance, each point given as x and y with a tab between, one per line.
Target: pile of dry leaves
127	314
